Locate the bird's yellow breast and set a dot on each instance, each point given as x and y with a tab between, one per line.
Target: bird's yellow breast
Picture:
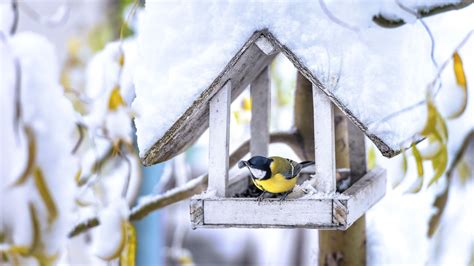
276	184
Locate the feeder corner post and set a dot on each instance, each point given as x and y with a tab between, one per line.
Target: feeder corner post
324	146
219	127
261	104
347	247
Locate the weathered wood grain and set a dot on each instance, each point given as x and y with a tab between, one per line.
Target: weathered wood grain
243	212
324	146
219	126
364	193
357	157
260	123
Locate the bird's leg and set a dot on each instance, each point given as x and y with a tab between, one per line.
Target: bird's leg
261	197
285	195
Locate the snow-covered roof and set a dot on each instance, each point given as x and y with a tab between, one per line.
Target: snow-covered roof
188	51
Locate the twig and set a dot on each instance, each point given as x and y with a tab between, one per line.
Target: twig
18	86
192	187
430	34
80	128
16	16
335	19
387	22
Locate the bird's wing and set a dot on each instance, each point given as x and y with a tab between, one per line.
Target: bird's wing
293	170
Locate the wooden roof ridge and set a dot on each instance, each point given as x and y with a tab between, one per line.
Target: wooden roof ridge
242	69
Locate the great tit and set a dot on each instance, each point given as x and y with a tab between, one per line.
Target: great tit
274	174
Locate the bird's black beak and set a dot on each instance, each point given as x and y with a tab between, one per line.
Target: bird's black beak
242	164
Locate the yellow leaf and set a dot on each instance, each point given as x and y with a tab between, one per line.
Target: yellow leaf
432	150
461	81
441	127
439	165
123	240
35	243
128	256
418	184
77	176
185	260
430	126
45	195
121	59
30	137
115	100
247	103
418	159
371	158
464	171
459	71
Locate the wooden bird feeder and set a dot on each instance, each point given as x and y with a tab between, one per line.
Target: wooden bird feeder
217	207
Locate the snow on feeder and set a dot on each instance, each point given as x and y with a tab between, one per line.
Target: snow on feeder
218	207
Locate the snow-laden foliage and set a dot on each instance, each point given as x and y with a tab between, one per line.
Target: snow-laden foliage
37	170
58	166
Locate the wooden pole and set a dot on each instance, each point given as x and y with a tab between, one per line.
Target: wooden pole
346	247
260	123
325	172
219	123
335	247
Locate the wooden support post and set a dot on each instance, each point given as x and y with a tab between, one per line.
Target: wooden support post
259	126
219	122
341	141
349	247
357	157
325	176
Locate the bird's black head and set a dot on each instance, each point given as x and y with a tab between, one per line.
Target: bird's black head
259	166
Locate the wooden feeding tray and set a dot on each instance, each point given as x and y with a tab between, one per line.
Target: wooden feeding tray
338	211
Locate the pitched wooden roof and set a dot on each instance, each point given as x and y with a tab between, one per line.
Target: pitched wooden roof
252	58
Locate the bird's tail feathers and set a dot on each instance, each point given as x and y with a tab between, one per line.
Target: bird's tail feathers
306	163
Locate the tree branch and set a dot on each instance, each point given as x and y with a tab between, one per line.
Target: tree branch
386	22
192	187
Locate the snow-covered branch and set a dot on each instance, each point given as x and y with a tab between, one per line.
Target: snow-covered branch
389	22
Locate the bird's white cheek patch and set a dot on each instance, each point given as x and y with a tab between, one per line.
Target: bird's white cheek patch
257	173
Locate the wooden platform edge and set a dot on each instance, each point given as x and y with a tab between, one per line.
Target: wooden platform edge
365	193
331	213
